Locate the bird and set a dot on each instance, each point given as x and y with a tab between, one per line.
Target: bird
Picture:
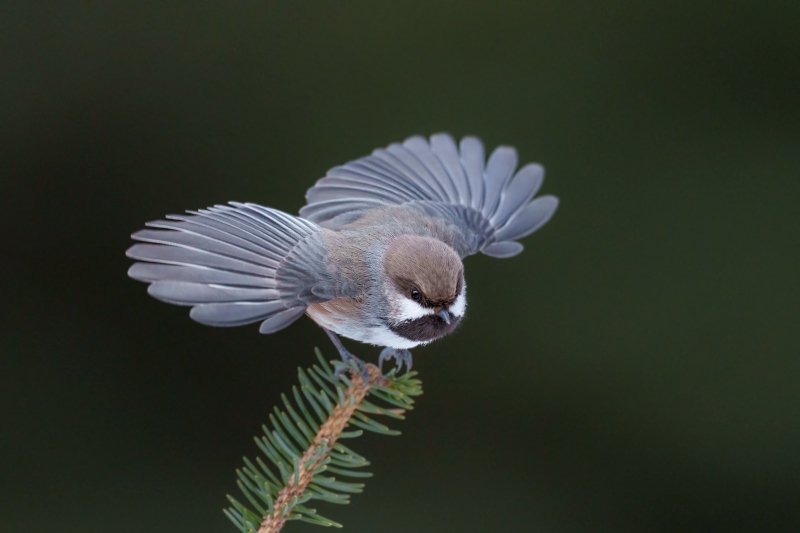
374	256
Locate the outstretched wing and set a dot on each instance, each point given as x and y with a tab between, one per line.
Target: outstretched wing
236	265
488	200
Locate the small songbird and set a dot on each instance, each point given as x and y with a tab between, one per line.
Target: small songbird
375	254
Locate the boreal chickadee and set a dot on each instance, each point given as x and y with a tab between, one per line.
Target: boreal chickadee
375	254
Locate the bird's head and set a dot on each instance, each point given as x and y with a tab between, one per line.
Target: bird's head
424	288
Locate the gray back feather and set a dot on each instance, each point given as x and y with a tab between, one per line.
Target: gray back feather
491	204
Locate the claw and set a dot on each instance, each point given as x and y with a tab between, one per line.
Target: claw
348	360
401	356
347	363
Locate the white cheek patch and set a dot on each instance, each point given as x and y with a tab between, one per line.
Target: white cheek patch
460	305
406	309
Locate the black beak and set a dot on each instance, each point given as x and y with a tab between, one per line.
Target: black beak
444	315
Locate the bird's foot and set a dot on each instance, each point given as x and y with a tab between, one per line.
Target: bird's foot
349	361
401	356
352	363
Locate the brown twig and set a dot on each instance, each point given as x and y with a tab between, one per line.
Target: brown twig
326	437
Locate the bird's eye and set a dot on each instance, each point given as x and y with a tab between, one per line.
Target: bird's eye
415	295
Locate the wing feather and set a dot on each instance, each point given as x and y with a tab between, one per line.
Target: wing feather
188	293
503	249
210	224
235	264
235	314
414	166
472	159
396	167
360	182
191	227
202	242
519	192
529	218
270	243
150	272
445	149
486	201
280	320
331	209
372	169
420	148
499	170
176	255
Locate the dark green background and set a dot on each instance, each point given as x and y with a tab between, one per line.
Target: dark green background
635	370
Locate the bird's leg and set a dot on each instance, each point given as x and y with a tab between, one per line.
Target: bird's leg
400	355
347	358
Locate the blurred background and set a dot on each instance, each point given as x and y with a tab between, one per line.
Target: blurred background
635	370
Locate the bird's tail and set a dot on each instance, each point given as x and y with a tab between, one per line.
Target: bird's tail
223	262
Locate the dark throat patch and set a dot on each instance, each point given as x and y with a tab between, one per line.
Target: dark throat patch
426	328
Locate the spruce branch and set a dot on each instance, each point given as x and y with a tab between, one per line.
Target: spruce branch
302	445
